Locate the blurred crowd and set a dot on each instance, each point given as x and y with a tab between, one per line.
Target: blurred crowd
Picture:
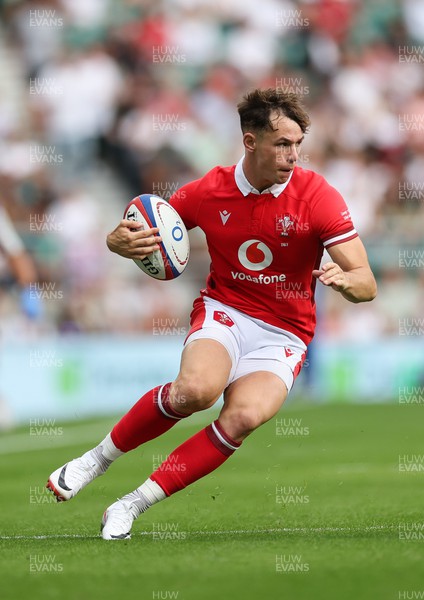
145	91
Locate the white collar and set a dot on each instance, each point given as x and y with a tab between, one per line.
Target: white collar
246	188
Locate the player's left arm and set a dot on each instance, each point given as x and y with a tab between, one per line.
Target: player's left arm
349	273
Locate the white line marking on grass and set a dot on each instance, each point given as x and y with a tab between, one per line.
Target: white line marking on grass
73	435
24	442
63	536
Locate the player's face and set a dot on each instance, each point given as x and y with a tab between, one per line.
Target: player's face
276	152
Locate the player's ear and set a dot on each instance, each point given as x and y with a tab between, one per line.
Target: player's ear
249	141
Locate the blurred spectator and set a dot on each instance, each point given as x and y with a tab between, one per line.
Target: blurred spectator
88	85
19	262
39	29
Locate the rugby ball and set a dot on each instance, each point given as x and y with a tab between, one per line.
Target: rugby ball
171	259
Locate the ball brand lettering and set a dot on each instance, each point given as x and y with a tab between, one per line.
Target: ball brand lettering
149	266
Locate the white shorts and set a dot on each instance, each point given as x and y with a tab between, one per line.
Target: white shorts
252	344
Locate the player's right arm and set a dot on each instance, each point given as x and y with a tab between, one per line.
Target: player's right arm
130	240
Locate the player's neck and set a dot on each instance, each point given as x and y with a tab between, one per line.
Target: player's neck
254	178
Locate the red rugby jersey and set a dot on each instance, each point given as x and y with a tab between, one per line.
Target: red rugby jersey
264	246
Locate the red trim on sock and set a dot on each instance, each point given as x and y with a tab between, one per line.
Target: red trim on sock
195	458
143	422
164	396
217	442
225	435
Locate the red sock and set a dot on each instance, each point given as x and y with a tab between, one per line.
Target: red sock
151	416
195	458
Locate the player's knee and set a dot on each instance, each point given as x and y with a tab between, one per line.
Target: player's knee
192	394
239	424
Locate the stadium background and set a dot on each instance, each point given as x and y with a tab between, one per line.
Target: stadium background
103	99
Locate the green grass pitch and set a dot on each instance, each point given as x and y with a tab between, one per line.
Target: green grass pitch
315	506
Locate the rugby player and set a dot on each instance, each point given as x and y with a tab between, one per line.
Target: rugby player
267	222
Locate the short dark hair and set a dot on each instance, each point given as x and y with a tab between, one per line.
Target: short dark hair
256	107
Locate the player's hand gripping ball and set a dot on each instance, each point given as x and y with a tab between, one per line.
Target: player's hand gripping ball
172	257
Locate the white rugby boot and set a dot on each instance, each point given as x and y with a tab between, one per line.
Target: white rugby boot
67	481
118	519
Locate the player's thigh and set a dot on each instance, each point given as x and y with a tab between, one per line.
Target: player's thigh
251	401
204	372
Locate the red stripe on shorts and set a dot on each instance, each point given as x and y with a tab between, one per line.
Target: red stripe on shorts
197	316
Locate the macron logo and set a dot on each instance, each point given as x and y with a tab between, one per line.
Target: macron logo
225	215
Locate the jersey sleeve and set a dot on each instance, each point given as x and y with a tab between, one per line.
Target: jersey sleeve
331	217
187	201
